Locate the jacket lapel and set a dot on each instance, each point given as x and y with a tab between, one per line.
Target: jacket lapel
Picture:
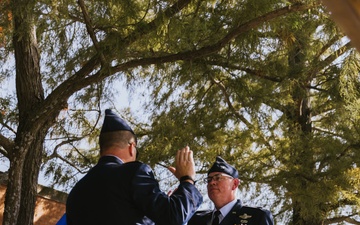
232	217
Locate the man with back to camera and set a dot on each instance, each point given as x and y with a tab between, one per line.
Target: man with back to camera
121	190
222	183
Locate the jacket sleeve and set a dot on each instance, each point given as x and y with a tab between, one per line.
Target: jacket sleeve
200	217
267	218
62	220
176	209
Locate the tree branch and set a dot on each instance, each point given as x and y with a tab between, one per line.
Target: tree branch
142	29
210	49
228	102
7	144
342	219
89	27
257	73
80	80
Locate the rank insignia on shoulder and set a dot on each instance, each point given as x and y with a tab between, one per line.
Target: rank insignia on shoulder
245	216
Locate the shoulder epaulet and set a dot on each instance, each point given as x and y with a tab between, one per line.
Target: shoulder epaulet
255	209
202	212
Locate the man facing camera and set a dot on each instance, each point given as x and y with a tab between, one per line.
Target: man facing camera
222	184
121	190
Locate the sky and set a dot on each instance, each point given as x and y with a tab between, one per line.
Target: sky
124	100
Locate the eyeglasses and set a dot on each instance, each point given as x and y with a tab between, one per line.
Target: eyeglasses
217	178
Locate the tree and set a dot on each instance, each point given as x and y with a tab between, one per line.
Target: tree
282	99
245	70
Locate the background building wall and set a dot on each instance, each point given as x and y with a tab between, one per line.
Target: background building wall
50	204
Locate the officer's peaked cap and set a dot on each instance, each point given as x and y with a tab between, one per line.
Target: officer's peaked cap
113	122
220	165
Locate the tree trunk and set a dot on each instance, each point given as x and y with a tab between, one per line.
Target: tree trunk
22	184
13	191
25	158
30	180
300	117
298	219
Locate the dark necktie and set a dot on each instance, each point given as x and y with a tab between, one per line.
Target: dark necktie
216	218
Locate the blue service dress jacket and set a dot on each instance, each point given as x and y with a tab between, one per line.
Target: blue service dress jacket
238	215
120	193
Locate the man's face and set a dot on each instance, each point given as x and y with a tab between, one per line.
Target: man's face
221	188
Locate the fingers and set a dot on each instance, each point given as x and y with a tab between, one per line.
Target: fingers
181	155
184	155
172	169
171	192
190	155
184	163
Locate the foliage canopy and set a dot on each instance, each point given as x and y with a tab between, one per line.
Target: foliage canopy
270	85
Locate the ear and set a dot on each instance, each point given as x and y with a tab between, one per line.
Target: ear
131	150
236	183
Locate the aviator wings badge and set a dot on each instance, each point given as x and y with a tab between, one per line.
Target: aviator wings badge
245	216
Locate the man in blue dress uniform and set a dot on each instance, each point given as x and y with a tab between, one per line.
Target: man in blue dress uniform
222	183
120	190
